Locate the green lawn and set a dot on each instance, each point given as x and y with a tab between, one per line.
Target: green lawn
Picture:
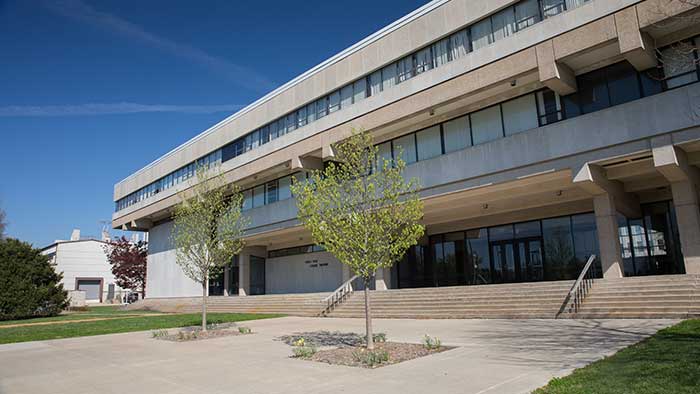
668	362
117	325
94	312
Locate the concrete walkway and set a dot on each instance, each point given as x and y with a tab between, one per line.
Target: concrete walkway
494	356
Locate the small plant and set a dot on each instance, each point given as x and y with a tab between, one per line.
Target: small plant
187	336
431	343
371	358
159	333
379	337
301	350
244	330
304	351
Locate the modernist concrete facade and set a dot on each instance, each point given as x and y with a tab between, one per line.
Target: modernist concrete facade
541	132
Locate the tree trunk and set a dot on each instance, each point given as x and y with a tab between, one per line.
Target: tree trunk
368	318
204	305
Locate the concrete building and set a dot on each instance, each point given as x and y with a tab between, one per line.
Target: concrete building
85	268
542	131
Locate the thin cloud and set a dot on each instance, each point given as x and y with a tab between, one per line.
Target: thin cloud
243	76
110	109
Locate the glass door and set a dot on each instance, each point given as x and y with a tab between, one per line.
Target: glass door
518	260
257	275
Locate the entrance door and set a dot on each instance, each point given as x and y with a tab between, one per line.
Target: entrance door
518	260
257	275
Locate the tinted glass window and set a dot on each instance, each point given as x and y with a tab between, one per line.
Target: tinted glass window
652	81
456	134
520	114
593	91
623	83
487	125
429	143
406	147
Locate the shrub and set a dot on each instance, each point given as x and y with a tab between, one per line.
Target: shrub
301	350
304	351
371	358
431	343
245	330
159	333
379	337
29	286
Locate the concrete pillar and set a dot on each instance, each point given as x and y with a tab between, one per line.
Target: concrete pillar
227	273
685	200
243	274
608	236
382	279
609	198
672	163
346	273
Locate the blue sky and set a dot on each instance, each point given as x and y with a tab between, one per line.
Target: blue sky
91	91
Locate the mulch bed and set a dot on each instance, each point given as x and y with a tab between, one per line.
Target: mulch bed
189	334
341	348
398	352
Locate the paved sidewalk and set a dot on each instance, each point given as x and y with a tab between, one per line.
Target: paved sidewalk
493	356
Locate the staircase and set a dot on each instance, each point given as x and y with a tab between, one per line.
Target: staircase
502	301
668	296
307	304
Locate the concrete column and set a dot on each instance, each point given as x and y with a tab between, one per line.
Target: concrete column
609	198
346	273
227	273
672	163
685	200
382	279
243	274
608	236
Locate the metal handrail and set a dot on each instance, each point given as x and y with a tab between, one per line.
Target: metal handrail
338	295
574	299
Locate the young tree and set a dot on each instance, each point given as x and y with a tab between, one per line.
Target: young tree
208	228
362	210
128	262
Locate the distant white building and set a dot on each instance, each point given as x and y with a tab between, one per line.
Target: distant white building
83	263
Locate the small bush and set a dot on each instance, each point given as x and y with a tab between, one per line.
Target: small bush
304	351
188	335
379	337
431	343
245	330
159	333
371	358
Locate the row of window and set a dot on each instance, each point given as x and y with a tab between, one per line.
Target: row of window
549	249
498	121
268	192
170	180
295	250
490	29
484	32
616	84
620	82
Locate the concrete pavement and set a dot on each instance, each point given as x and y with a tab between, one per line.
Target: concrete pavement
493	356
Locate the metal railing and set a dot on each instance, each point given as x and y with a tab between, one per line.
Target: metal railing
338	296
574	299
